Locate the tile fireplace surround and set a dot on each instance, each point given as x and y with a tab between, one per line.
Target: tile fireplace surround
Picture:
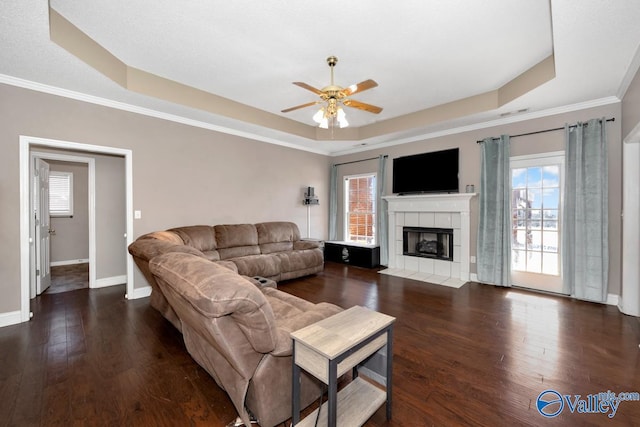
431	210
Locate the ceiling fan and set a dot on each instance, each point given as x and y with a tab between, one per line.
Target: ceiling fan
332	96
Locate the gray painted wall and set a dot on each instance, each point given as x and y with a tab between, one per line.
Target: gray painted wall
182	175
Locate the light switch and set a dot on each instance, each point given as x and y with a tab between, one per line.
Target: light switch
137	214
472	259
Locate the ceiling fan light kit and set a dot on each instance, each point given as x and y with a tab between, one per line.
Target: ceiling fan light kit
333	97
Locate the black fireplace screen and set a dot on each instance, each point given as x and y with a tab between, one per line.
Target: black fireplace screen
428	242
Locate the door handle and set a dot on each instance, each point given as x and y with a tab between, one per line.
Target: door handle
52	231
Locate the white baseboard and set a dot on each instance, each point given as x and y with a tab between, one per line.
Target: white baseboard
69	262
140	293
10	318
634	310
613	299
110	281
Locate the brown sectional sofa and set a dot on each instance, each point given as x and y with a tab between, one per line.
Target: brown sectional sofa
233	326
239	332
272	250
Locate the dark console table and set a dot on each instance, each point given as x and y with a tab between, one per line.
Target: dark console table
367	256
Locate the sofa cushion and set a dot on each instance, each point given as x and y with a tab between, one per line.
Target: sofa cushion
201	237
306	244
300	260
165	236
215	291
228	264
277	236
146	249
258	265
236	240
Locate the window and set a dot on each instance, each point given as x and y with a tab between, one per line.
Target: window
60	193
360	208
536	200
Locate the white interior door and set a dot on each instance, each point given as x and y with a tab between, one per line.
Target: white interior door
42	226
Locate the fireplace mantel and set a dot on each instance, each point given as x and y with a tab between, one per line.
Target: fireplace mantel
439	210
454	202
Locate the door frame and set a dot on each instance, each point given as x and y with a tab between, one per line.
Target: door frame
629	301
91	164
26	143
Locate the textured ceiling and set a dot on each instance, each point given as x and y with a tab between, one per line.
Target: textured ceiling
422	54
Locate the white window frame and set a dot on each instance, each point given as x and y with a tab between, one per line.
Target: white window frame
541	281
64	209
346	207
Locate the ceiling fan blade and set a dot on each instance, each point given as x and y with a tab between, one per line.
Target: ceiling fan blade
308	104
362	106
362	86
308	87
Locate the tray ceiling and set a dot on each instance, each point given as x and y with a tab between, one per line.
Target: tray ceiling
423	54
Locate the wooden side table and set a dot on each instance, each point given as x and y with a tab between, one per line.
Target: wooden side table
328	349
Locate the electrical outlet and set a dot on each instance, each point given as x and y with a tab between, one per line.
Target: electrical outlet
137	214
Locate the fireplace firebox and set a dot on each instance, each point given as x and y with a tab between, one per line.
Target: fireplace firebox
428	242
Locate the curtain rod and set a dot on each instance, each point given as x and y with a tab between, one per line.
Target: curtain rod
545	130
358	161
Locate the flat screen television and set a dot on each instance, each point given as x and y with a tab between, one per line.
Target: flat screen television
434	172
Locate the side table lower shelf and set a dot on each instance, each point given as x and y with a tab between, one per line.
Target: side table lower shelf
356	403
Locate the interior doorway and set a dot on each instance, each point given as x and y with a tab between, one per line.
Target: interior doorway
44	226
69	182
27	144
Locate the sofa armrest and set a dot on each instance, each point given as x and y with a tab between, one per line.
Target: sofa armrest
283	341
305	244
284	344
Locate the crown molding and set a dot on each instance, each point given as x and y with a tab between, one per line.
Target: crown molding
484	125
78	96
104	102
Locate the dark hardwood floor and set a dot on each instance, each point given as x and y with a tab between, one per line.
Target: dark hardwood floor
65	278
474	356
